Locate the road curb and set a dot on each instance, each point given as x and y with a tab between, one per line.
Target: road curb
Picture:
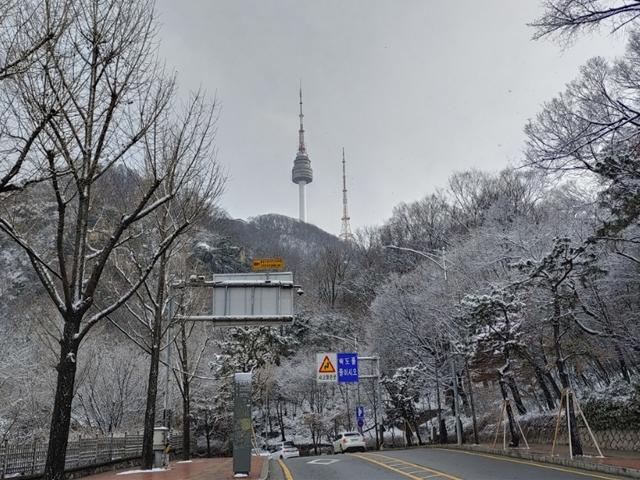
264	473
565	462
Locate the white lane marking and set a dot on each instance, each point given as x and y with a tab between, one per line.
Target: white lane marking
323	461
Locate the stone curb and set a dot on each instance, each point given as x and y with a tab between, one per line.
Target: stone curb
264	473
583	464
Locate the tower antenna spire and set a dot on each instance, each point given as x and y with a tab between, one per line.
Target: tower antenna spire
345	231
301	146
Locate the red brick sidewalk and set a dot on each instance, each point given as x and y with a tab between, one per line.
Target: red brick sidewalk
198	469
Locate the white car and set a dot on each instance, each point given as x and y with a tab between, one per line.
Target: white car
349	441
285	450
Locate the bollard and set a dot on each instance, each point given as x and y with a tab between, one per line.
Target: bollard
160	438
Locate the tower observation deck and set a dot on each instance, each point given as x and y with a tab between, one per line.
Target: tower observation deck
301	172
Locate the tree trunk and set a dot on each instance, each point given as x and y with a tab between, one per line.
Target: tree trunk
574	437
462	395
280	420
515	437
473	406
516	395
554	385
601	369
61	415
208	430
623	364
152	393
407	432
186	398
152	385
414	421
186	424
551	404
547	373
442	432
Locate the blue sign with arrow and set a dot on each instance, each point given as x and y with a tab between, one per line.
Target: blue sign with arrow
347	367
360	415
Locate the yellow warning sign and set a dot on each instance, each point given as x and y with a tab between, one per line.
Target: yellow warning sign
326	366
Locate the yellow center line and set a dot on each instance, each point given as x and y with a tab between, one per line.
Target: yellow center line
406	464
535	464
388	467
428	469
285	470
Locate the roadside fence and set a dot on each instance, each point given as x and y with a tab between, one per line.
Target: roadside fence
20	460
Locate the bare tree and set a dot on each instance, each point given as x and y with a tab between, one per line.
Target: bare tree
110	387
189	360
28	30
104	96
185	150
568	17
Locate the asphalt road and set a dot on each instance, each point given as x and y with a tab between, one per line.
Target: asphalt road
421	464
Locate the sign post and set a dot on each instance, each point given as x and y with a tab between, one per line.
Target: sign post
243	299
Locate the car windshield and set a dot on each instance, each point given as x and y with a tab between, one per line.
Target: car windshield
288	444
351	434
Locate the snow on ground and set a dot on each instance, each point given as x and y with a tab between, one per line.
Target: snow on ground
153	470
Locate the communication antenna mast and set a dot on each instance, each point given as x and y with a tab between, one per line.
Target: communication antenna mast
345	231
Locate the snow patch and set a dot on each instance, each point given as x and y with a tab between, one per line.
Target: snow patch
129	472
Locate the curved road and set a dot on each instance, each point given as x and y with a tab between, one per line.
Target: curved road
424	463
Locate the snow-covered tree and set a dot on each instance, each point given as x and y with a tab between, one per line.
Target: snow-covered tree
495	322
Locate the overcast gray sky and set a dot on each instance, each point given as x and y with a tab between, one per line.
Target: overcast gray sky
413	90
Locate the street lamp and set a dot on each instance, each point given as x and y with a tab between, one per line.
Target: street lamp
442	264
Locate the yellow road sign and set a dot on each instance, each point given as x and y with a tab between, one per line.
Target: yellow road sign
268	263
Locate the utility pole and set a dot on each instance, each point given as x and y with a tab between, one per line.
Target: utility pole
454	376
456	401
442	264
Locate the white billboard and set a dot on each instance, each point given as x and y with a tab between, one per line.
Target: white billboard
250	299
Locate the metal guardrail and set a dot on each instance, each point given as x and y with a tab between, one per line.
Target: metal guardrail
27	460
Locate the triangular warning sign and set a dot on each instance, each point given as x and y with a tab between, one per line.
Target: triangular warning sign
326	366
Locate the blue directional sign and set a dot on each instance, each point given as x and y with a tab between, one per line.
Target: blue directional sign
347	367
360	413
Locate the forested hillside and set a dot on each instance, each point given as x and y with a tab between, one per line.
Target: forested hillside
527	276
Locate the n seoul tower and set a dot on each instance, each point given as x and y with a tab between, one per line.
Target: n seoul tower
302	173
